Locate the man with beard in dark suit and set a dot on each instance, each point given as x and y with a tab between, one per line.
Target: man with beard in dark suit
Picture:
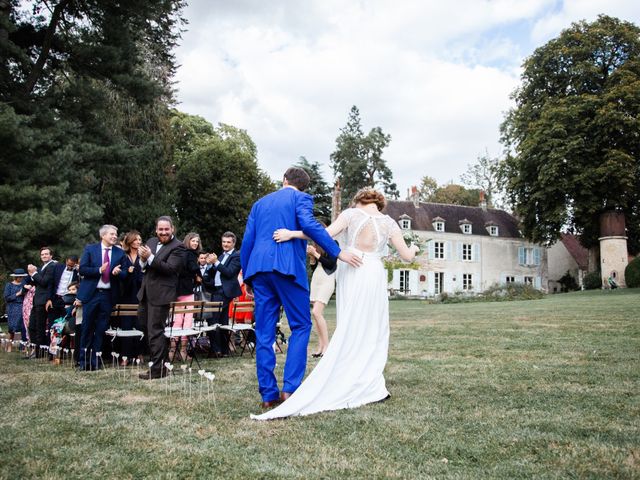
42	278
162	259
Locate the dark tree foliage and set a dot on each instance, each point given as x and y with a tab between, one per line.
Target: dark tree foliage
573	137
217	182
85	89
357	161
319	189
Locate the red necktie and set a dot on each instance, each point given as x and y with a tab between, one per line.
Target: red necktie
105	273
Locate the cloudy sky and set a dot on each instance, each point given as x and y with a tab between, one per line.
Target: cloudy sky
433	74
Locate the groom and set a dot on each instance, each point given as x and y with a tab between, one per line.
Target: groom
278	276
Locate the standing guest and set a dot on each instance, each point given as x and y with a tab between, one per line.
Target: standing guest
162	260
202	268
131	284
64	274
13	297
186	286
222	279
42	279
27	306
323	283
101	267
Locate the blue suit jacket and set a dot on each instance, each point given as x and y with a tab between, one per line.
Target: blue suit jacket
286	208
90	264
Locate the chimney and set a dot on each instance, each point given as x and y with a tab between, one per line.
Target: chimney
415	196
483	202
335	201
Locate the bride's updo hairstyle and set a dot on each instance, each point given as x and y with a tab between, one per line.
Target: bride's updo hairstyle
369	195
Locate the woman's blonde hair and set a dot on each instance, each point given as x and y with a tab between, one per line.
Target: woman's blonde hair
369	195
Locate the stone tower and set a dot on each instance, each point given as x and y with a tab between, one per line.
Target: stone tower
613	247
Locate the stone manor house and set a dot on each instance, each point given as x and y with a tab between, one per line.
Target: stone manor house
464	249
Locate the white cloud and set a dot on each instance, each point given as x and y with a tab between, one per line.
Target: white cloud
435	75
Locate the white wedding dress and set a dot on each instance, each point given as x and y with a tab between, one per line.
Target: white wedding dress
350	372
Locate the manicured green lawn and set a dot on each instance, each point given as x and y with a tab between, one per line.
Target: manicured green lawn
536	389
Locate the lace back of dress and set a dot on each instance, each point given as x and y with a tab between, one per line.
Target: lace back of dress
367	233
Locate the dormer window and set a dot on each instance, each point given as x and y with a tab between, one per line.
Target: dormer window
405	222
438	224
465	226
493	230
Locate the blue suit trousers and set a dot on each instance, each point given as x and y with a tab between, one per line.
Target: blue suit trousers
271	290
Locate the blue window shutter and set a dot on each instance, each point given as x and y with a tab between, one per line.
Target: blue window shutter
447	250
476	252
536	256
522	256
459	245
432	250
538	283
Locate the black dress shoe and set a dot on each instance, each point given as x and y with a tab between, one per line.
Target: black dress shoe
148	375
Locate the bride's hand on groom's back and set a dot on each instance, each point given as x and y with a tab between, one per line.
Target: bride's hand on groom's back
282	235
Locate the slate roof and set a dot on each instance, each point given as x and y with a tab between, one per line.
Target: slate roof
422	217
575	249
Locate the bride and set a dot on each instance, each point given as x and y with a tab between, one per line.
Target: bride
350	372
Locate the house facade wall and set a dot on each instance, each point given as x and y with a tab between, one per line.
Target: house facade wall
492	260
560	262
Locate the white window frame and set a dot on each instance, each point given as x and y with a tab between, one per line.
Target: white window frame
404	281
510	279
528	280
467	252
493	230
467	229
438	226
467	282
438	282
405	224
438	250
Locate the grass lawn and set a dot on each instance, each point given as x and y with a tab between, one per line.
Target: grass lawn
534	389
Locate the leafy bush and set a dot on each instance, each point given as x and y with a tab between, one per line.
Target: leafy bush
495	293
592	280
632	273
568	283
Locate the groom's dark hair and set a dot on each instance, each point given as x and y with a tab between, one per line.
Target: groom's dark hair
297	177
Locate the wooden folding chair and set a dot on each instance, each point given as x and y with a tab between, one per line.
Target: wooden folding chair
123	310
242	310
181	308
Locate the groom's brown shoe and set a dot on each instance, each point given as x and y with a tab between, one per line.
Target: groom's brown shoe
284	396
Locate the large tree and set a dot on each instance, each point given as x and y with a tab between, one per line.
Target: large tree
84	93
573	137
319	189
484	175
216	184
357	160
450	193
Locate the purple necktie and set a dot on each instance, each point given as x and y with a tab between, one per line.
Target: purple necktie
105	273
